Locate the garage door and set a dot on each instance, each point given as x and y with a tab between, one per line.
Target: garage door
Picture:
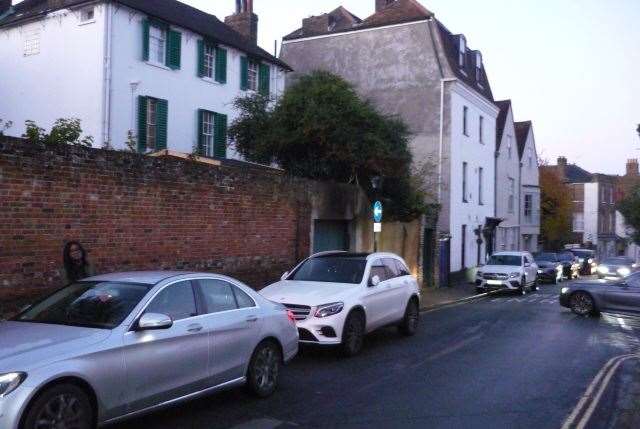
330	235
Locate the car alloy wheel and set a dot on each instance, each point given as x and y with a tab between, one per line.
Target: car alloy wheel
65	406
411	319
264	369
353	334
582	304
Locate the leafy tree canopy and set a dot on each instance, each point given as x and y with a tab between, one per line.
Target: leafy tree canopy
556	209
64	131
321	129
630	209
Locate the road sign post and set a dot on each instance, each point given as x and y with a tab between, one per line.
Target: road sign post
377	223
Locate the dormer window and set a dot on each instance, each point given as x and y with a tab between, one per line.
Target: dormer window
462	52
478	67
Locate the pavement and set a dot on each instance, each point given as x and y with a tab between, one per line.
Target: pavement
503	361
434	297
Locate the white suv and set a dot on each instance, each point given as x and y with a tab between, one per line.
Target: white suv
338	297
510	271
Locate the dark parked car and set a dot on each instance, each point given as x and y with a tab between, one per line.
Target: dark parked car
587	260
591	297
618	267
549	267
570	265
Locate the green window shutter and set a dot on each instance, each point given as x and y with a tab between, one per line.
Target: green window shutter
200	134
244	73
221	65
142	124
201	71
220	136
161	120
145	40
174	49
264	79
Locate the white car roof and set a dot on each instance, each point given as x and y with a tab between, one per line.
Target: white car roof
510	253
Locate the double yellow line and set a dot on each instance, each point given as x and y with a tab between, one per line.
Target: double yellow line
582	413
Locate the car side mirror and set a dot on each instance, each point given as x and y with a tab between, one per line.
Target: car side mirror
285	275
154	322
375	281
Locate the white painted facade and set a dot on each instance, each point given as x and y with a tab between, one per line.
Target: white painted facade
591	198
478	154
529	196
508	188
94	71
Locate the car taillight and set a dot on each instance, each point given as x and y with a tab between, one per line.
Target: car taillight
291	317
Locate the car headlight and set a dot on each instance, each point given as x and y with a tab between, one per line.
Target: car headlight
624	271
329	309
539	271
590	261
10	382
603	270
634	265
564	290
514	275
581	260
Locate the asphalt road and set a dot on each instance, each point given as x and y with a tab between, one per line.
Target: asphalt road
500	362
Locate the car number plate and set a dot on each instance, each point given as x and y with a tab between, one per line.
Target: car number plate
494	282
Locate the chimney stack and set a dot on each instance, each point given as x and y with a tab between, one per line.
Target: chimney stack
632	168
244	21
5	5
382	4
562	161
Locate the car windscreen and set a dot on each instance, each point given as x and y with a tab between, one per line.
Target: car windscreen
87	304
583	253
511	260
617	261
546	257
566	256
331	269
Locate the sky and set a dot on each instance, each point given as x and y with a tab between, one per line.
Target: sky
570	66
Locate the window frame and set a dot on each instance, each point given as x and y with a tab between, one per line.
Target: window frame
465	120
253	78
208	137
146	305
511	201
481	129
152	111
528	207
164	31
373	263
480	183
234	286
209	55
31	42
465	171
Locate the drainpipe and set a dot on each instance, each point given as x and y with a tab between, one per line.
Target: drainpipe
519	203
106	86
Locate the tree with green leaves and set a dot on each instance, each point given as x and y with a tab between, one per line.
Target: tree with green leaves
321	129
556	209
629	207
64	131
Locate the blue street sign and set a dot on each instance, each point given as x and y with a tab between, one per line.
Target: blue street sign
377	212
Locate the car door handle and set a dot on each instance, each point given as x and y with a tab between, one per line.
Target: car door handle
194	328
252	319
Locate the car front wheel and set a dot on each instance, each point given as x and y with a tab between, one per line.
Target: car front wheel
409	325
582	304
353	334
61	406
264	368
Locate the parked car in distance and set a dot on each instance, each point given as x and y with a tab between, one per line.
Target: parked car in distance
515	271
570	265
617	267
549	267
587	260
338	297
119	345
591	297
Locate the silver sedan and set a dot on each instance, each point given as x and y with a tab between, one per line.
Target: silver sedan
115	346
592	297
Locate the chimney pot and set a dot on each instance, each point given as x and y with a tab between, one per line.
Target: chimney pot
315	24
244	21
562	160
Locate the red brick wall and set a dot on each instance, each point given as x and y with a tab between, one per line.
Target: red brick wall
133	212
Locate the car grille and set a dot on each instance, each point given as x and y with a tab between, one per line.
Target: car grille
495	276
300	312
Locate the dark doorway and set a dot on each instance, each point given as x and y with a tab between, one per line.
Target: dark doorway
330	235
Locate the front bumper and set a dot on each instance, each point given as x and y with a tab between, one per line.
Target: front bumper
322	330
490	285
564	299
12	406
548	275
